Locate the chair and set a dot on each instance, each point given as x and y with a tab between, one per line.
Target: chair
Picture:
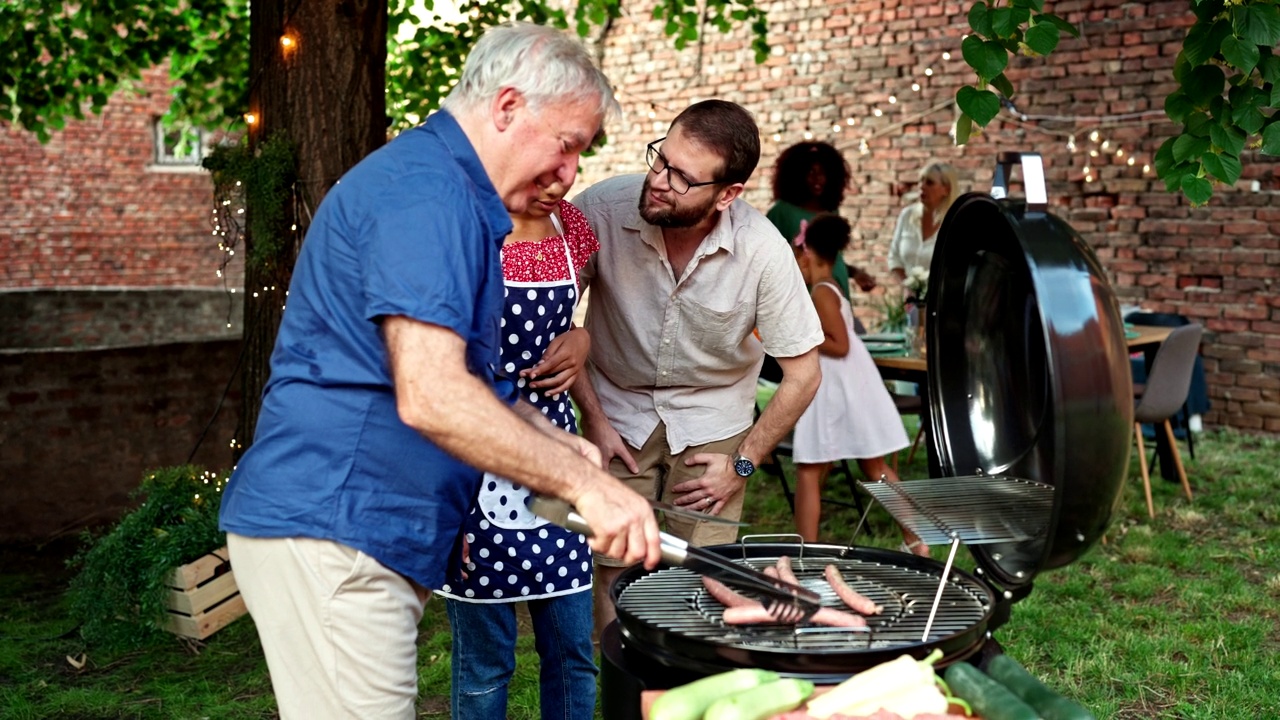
1197	402
909	405
1164	394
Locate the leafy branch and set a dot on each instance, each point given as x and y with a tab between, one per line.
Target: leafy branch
1019	26
1229	89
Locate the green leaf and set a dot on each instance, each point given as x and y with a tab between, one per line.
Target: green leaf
1197	189
981	105
1203	83
980	19
1270	68
1248	117
1043	38
1228	139
1242	54
1271	138
1275	95
964	128
1001	83
1164	157
988	58
1178	106
1204	40
1257	22
1059	23
1198	124
1206	9
1006	21
1186	147
1222	166
1037	5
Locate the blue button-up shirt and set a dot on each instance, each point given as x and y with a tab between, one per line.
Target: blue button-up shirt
415	230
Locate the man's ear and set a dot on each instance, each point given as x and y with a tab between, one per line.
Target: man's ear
506	103
728	195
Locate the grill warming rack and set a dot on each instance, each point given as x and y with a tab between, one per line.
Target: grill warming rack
974	510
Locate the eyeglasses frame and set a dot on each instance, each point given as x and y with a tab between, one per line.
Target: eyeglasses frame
651	151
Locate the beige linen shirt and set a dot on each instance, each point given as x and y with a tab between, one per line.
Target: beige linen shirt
681	350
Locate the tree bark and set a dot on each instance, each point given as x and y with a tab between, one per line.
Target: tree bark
326	91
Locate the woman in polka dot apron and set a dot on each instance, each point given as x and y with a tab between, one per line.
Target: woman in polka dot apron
512	554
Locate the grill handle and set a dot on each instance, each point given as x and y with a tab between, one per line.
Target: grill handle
1032	179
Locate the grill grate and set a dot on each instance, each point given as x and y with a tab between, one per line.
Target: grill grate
974	510
673	599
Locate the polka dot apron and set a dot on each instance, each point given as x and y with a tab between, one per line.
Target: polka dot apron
516	555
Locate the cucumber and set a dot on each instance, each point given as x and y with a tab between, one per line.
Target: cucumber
990	699
689	702
1051	706
762	701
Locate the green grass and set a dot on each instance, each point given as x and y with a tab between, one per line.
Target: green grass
1173	618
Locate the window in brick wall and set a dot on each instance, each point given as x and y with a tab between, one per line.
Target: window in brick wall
179	145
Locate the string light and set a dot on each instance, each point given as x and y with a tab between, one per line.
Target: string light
288	42
250	119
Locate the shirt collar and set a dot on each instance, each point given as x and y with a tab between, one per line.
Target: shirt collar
446	127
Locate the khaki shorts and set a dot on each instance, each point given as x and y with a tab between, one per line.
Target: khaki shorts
339	630
660	470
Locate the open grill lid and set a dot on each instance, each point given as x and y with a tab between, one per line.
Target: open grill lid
1028	369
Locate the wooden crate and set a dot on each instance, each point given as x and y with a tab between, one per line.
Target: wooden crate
203	597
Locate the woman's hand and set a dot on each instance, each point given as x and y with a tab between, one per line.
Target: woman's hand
561	363
864	280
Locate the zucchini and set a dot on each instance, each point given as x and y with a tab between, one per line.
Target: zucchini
689	702
990	699
1046	701
761	701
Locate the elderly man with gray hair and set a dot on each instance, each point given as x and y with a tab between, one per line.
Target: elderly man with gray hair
380	413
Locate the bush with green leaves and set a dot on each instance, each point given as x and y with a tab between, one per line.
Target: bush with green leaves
119	593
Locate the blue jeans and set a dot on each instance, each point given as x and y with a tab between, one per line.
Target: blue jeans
484	658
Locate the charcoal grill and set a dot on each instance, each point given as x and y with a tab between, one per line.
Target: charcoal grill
1031	405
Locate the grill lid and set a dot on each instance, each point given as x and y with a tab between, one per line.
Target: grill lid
1028	370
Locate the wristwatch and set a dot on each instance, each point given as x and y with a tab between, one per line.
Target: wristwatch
743	465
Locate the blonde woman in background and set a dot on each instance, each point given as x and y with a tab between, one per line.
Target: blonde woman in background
918	224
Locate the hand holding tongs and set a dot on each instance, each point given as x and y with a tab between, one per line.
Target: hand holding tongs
788	603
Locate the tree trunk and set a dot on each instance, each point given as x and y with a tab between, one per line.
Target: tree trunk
325	89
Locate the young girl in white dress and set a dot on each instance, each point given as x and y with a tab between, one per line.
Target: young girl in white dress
852	416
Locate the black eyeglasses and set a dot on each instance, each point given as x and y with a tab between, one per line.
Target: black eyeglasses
676	179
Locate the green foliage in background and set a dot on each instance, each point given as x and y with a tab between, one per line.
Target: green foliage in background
119	593
1228	83
259	181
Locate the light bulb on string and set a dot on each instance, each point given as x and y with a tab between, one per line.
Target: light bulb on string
288	42
877	112
250	119
1106	144
928	72
850	121
946	56
777	137
893	99
835	128
1093	153
1120	152
808	135
1130	161
915	87
1093	136
1146	169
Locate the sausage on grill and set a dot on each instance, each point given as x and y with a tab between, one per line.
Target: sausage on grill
854	599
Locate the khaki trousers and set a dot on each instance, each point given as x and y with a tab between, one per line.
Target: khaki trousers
339	630
661	470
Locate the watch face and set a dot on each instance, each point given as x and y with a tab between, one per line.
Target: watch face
743	466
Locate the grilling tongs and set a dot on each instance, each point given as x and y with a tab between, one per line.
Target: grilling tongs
786	602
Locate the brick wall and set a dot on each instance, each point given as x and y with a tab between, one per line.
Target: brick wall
836	60
116	317
89	209
78	429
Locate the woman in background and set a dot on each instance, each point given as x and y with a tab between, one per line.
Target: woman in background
918	223
852	416
811	178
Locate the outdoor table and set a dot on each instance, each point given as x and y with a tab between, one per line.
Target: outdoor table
1148	338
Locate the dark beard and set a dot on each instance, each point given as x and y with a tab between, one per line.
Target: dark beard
674	217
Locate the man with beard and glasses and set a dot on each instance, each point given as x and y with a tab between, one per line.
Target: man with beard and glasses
679	284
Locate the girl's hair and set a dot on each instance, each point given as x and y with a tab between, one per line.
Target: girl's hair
792	168
827	235
941	172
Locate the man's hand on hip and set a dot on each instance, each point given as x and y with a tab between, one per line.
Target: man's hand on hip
610	444
710	492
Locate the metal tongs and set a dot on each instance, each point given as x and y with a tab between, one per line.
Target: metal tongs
786	602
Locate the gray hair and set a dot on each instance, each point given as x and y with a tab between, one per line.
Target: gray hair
544	64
